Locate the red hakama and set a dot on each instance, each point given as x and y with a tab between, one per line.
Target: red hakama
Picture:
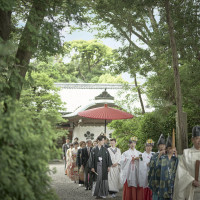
133	193
147	194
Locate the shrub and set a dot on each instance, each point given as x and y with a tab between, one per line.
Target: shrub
25	144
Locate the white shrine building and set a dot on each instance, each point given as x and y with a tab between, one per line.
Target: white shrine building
83	96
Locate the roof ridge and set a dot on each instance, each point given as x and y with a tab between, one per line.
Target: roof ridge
91	85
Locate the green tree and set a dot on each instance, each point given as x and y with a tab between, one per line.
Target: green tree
82	61
157	34
26	140
89	58
108	78
41	96
34	34
146	126
56	69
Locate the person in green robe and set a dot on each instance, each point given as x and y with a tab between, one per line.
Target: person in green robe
154	171
100	163
167	165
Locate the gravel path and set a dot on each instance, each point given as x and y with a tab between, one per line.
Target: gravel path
68	190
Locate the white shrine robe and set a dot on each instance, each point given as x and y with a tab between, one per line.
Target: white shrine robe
114	174
185	175
129	169
144	169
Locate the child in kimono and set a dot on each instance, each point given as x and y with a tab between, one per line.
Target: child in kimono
144	169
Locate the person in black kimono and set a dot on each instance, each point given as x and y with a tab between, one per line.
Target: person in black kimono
100	163
79	163
84	160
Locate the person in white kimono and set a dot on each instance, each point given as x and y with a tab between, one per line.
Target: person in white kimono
186	187
114	174
144	169
129	172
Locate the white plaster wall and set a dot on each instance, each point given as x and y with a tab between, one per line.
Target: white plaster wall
79	131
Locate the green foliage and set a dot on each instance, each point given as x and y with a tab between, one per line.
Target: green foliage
147	126
142	28
108	78
41	96
90	59
83	61
56	69
123	131
26	141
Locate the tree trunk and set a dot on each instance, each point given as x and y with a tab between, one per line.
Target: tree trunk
182	132
27	47
5	24
135	77
139	94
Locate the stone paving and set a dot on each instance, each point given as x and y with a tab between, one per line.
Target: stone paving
68	190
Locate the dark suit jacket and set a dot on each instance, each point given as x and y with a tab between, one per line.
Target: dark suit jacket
65	147
78	158
85	156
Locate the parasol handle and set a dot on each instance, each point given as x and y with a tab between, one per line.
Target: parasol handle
173	139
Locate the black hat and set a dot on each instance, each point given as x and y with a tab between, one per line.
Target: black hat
161	140
169	142
196	131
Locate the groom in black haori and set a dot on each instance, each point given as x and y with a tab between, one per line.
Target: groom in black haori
100	163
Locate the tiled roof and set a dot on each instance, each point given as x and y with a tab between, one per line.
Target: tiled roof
91	85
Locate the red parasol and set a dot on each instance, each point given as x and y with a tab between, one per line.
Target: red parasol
106	113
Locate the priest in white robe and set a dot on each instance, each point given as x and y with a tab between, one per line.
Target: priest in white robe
186	187
114	173
129	172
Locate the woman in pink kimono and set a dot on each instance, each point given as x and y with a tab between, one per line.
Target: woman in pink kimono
73	166
68	160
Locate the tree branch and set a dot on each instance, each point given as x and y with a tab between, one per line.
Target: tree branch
152	19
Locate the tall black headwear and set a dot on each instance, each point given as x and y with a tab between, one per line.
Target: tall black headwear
161	140
196	131
169	142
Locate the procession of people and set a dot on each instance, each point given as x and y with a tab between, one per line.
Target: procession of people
100	167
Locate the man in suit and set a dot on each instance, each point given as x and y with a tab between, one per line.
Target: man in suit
105	141
84	161
65	147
